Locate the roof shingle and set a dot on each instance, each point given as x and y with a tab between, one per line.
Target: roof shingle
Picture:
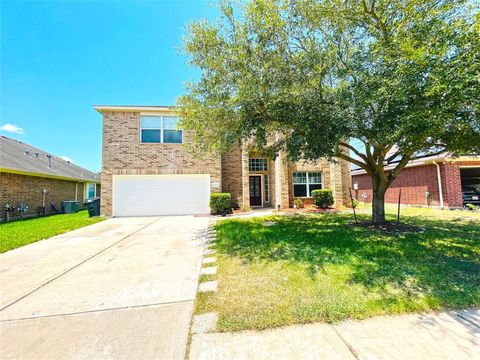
16	155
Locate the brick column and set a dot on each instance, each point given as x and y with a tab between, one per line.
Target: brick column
284	175
452	185
337	185
245	177
106	194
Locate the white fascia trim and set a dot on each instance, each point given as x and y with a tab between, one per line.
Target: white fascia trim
146	109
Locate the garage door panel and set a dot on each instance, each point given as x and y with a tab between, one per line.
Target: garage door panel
148	195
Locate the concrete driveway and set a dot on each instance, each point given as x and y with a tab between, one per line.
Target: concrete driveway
122	288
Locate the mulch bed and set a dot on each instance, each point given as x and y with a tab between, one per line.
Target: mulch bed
321	211
389	226
310	209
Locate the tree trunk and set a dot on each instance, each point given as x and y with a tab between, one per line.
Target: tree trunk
378	206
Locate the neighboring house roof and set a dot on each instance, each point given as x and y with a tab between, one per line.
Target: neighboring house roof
21	158
135	108
425	160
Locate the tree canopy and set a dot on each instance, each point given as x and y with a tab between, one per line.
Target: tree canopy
400	78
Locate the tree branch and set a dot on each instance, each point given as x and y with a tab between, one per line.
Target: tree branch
392	157
362	165
352	160
358	153
394	173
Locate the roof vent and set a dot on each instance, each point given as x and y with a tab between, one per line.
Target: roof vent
49	160
27	152
36	154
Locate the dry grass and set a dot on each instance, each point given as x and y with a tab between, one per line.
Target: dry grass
316	268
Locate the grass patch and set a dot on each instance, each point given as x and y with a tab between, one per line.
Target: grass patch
22	232
317	268
206	277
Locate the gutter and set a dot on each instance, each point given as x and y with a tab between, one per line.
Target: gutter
439	180
44	175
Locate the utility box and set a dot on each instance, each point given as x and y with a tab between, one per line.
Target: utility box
70	207
93	206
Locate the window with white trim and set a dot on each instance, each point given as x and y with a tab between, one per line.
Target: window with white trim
305	182
257	165
160	129
91	190
266	182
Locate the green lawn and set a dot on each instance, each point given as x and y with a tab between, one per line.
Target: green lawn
316	268
22	232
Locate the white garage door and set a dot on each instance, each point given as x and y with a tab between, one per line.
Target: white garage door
147	195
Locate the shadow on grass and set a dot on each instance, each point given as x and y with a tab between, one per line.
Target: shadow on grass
442	263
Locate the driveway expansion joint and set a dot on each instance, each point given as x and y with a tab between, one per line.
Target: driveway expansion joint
461	316
347	344
168	303
77	265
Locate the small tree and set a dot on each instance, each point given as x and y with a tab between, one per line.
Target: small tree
397	78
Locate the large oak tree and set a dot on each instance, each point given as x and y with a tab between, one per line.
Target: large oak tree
386	80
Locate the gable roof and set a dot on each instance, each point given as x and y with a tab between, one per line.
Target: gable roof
19	157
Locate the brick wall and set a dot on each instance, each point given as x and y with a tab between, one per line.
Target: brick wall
452	185
123	154
16	189
232	174
415	182
334	177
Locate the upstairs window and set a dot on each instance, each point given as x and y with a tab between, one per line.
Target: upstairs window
160	129
305	182
257	165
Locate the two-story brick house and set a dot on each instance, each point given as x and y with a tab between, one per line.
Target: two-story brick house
147	171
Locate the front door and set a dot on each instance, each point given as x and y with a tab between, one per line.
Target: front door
255	190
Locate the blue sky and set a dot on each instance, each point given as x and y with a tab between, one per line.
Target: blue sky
58	59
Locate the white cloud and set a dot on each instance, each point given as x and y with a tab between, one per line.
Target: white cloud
12	128
66	158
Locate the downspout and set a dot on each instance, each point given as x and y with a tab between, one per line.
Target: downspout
76	191
439	179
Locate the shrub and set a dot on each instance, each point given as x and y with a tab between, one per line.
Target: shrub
298	203
471	207
323	198
220	203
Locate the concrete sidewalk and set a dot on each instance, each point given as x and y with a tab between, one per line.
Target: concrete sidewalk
446	335
120	289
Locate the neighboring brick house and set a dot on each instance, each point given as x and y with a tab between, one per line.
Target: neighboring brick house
26	172
147	171
420	183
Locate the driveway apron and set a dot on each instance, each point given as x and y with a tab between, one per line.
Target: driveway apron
123	288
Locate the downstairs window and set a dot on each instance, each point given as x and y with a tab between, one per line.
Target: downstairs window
305	182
